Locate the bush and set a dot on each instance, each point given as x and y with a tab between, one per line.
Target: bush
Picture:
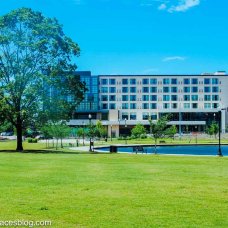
31	140
143	136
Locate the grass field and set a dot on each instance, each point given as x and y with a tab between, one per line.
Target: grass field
114	190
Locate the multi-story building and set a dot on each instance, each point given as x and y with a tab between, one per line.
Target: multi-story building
124	100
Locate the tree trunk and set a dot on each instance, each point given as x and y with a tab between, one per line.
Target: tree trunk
19	135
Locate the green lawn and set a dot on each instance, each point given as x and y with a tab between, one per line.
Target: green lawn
114	190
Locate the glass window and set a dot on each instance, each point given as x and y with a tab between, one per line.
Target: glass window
153	81
166	81
112	89
124	116
145	116
153	106
133	116
186	97
145	97
166	105
174	81
187	89
133	81
104	81
132	97
112	98
174	97
166	97
145	105
194	89
145	81
207	105
207	81
215	105
194	81
207	89
153	97
104	98
186	105
153	89
215	89
186	81
132	105
165	89
194	97
112	106
124	89
174	89
215	97
104	89
124	105
124	97
207	97
104	106
154	116
133	89
174	105
215	81
125	81
112	81
194	105
145	89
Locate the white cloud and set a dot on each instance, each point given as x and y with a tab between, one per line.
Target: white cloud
174	58
183	5
162	6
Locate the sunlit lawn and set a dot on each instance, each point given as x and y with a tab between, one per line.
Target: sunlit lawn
117	190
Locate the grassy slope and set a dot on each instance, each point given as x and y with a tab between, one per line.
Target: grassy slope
115	190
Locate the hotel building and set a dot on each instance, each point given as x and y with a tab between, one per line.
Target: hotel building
122	101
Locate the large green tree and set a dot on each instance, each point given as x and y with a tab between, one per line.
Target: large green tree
34	53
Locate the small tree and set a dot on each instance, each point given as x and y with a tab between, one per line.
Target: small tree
138	130
157	129
171	131
213	129
100	130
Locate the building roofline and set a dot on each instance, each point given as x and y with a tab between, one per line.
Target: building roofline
162	75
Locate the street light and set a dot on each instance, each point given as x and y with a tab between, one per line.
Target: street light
125	121
90	142
83	136
111	132
219	120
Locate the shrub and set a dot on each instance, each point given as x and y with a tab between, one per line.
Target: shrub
143	136
31	140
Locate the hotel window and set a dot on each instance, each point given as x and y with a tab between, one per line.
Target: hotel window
166	98
174	81
154	116
207	89
187	89
194	81
124	105
207	81
215	105
207	105
133	116
153	97
104	98
215	81
104	106
145	81
112	106
104	89
133	89
207	97
125	81
194	89
174	105
124	97
153	81
124	89
145	116
186	105
166	81
145	89
112	81
145	105
215	89
186	81
133	81
112	89
132	97
215	97
166	105
165	89
174	89
132	105
104	81
153	106
174	97
145	98
186	97
124	116
112	98
194	105
153	89
194	97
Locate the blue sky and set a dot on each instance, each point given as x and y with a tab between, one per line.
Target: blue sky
141	36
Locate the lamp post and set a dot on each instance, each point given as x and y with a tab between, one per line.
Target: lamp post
196	133
119	127
83	136
111	132
90	146
125	121
219	125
